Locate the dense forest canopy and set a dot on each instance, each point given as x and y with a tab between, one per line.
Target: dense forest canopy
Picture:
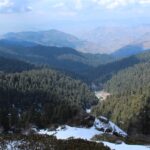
129	103
105	72
45	96
9	65
41	97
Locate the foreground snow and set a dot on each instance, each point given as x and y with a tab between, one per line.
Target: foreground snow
66	132
14	144
87	134
124	146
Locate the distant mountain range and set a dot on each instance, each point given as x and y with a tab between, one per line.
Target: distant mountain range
100	40
51	38
112	38
62	58
70	60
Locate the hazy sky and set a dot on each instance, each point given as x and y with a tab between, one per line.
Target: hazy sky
71	15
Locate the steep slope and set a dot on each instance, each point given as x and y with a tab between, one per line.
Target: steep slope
106	71
101	74
41	97
129	103
59	58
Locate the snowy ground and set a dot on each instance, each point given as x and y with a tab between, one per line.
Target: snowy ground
11	145
124	146
88	111
66	132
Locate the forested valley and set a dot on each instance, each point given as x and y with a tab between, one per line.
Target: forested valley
45	95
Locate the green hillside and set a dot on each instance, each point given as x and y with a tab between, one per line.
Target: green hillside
13	65
41	97
129	103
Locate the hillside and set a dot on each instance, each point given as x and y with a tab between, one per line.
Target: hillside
128	50
105	72
55	57
41	97
13	65
129	103
62	58
47	142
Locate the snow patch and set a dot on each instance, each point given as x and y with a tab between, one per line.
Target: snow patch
74	132
124	146
12	145
65	132
88	111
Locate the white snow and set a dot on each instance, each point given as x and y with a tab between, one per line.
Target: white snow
88	111
12	145
117	129
67	132
124	146
99	124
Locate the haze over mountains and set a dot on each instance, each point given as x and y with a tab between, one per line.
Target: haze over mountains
104	39
59	82
75	75
63	59
112	38
64	51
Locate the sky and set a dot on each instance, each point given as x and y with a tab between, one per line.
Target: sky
71	15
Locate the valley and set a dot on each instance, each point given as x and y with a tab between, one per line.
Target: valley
54	92
74	74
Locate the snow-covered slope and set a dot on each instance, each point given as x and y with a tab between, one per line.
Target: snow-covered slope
65	132
124	146
68	132
100	126
104	124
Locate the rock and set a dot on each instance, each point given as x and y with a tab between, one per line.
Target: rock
103	119
108	130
